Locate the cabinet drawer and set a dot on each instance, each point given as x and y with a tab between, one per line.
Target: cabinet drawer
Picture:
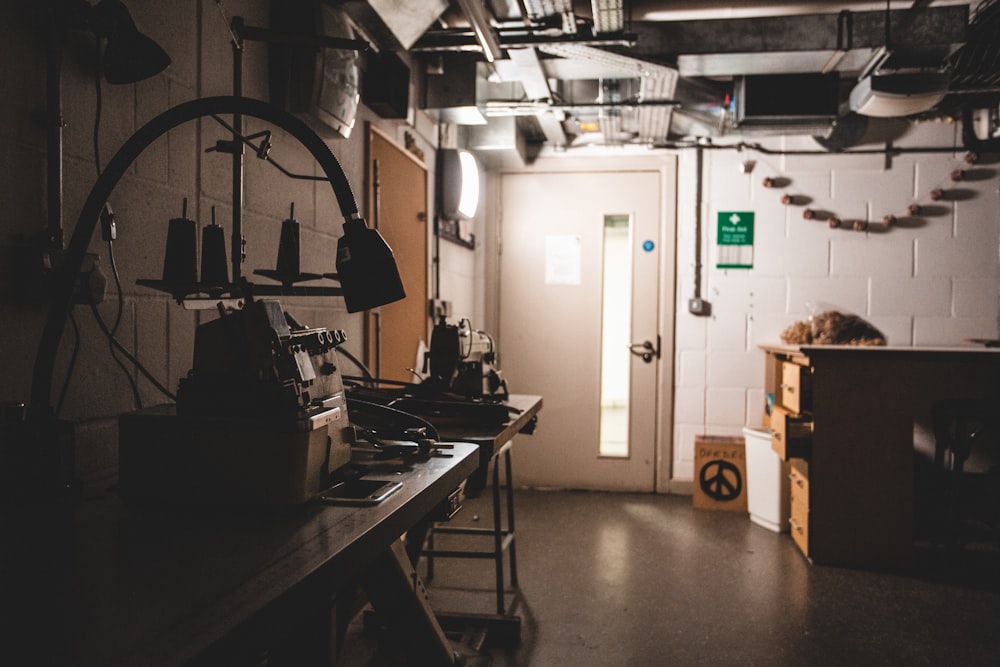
799	514
791	434
795	387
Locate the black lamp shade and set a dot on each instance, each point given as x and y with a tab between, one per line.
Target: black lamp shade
366	268
129	56
133	57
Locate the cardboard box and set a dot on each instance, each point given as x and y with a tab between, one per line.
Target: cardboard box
720	473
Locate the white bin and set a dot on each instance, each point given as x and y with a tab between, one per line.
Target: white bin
768	495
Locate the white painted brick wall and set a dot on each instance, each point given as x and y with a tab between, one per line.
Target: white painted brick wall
911	296
932	279
883	256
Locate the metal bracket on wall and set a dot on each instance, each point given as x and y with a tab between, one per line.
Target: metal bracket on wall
450	230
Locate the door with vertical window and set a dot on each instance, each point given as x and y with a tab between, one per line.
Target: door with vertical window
579	274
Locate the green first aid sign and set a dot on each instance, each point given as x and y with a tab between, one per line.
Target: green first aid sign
735	240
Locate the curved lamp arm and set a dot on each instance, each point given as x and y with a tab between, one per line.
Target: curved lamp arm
62	296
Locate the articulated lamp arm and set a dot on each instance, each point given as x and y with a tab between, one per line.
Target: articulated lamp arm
62	296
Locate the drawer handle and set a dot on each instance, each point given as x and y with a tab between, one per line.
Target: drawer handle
795	525
798	481
789	388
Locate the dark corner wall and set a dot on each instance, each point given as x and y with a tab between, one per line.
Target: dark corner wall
173	168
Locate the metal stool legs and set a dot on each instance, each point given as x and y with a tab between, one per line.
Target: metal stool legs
503	536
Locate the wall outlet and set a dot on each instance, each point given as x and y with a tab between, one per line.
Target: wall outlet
698	306
440	308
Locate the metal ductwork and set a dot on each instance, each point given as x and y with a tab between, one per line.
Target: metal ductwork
843	41
648	71
393	25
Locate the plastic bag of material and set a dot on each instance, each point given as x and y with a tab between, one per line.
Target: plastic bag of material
830	325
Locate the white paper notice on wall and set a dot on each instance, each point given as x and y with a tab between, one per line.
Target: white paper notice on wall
563	260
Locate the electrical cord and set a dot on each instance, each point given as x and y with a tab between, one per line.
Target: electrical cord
367	374
113	342
72	362
107	219
71	367
129	356
98	106
113	331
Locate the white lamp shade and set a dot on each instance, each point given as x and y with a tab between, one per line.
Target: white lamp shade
458	175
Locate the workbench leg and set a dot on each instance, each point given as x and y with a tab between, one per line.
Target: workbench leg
400	600
498	537
510	520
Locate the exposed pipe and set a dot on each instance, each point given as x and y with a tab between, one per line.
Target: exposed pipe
697	305
236	235
887	150
698	202
54	132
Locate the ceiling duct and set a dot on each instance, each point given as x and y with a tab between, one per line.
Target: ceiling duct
669	78
645	111
897	95
504	141
799	102
394	25
802	43
701	110
455	89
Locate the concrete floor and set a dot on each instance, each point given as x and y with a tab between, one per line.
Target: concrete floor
631	579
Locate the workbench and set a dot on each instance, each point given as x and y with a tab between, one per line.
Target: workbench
852	421
101	582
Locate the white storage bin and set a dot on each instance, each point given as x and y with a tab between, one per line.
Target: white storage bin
768	496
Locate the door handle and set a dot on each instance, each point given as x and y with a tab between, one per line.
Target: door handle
646	350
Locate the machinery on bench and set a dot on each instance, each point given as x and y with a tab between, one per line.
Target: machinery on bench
463	360
463	389
260	418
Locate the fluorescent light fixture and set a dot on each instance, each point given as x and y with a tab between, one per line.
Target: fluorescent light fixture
458	175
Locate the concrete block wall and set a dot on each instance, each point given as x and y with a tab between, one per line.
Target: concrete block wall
933	279
462	270
174	167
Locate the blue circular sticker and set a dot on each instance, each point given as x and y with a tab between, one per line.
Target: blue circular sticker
648	245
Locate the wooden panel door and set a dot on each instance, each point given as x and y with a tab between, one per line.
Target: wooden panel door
397	206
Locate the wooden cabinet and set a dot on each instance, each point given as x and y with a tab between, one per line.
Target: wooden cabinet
788	410
799	520
791	433
845	418
795	390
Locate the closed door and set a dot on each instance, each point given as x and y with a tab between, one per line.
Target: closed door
397	204
579	274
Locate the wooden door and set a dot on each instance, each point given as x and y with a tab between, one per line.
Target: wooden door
397	206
